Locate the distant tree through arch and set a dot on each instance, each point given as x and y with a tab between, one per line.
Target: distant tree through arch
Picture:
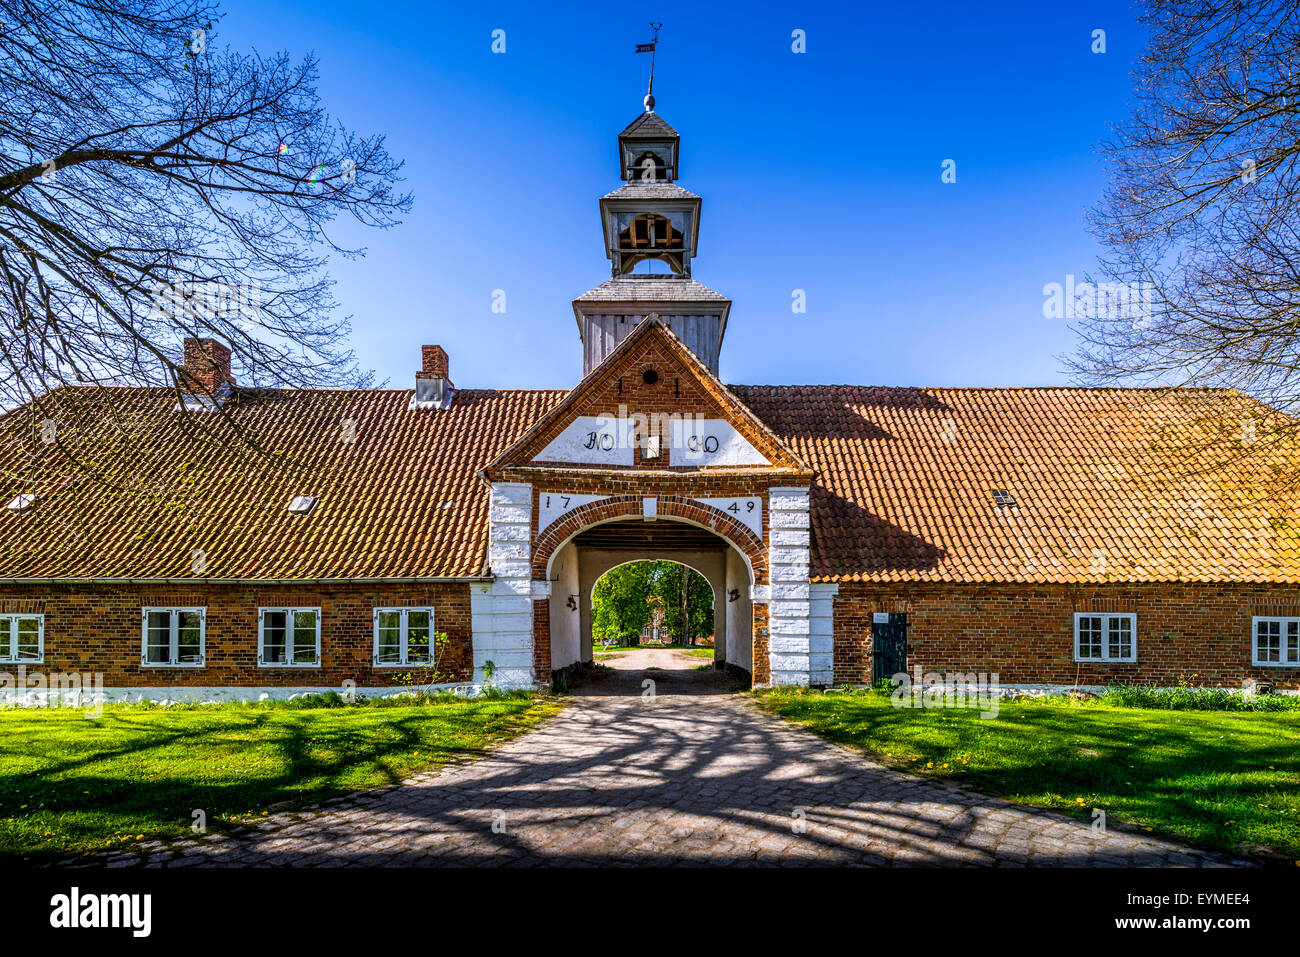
624	599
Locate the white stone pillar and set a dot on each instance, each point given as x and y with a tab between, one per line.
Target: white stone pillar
501	612
789	607
821	633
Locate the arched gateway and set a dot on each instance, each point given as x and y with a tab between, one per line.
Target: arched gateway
575	552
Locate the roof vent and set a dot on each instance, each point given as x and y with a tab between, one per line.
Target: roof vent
1003	498
21	501
433	386
302	505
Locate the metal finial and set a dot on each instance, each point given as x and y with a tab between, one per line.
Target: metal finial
649	100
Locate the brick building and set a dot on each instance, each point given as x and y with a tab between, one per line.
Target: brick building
245	541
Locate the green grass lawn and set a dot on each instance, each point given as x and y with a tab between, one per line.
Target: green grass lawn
69	785
1223	780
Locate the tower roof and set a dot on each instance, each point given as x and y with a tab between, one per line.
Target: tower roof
649	125
652	189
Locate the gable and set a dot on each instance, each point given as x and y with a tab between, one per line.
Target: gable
650	405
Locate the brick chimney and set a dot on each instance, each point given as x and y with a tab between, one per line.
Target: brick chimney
436	362
207	366
433	386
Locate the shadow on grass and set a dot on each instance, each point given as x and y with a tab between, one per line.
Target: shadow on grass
1224	780
71	786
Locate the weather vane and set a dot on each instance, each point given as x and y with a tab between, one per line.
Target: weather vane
650	49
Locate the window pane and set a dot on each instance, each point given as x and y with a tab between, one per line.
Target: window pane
390	638
189	637
29	639
158	638
1120	643
304	637
1090	637
1293	641
273	637
418	646
1268	637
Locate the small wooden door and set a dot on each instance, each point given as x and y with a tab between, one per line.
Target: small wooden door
888	646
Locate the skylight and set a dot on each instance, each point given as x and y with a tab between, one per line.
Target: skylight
1002	497
301	505
21	501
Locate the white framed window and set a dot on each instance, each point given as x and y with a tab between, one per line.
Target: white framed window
1275	642
288	637
172	637
22	639
403	636
1105	636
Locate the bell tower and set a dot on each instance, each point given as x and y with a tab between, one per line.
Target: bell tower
650	228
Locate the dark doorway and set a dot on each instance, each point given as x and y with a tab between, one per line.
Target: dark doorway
888	646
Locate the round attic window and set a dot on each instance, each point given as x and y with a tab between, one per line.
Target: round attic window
649	377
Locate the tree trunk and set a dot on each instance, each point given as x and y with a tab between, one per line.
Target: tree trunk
686	609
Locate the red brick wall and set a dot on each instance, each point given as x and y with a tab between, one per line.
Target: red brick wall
542	639
1026	633
96	628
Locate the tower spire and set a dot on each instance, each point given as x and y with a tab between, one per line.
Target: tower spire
649	100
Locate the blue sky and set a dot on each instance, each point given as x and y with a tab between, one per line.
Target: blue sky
819	171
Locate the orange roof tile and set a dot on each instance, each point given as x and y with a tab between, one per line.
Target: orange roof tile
1109	484
401	500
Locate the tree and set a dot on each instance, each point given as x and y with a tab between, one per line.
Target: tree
620	604
688	602
154	187
1202	214
625	597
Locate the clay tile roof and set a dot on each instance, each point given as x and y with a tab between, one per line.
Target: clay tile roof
400	501
650	125
1108	484
653	288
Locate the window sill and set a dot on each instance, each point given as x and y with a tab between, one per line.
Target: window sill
1275	664
314	664
22	661
167	664
1105	661
418	666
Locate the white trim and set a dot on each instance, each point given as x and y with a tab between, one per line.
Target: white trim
288	645
501	611
10	657
173	644
403	637
795	657
1106	616
1282	641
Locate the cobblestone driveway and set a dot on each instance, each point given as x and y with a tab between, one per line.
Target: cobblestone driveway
696	777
